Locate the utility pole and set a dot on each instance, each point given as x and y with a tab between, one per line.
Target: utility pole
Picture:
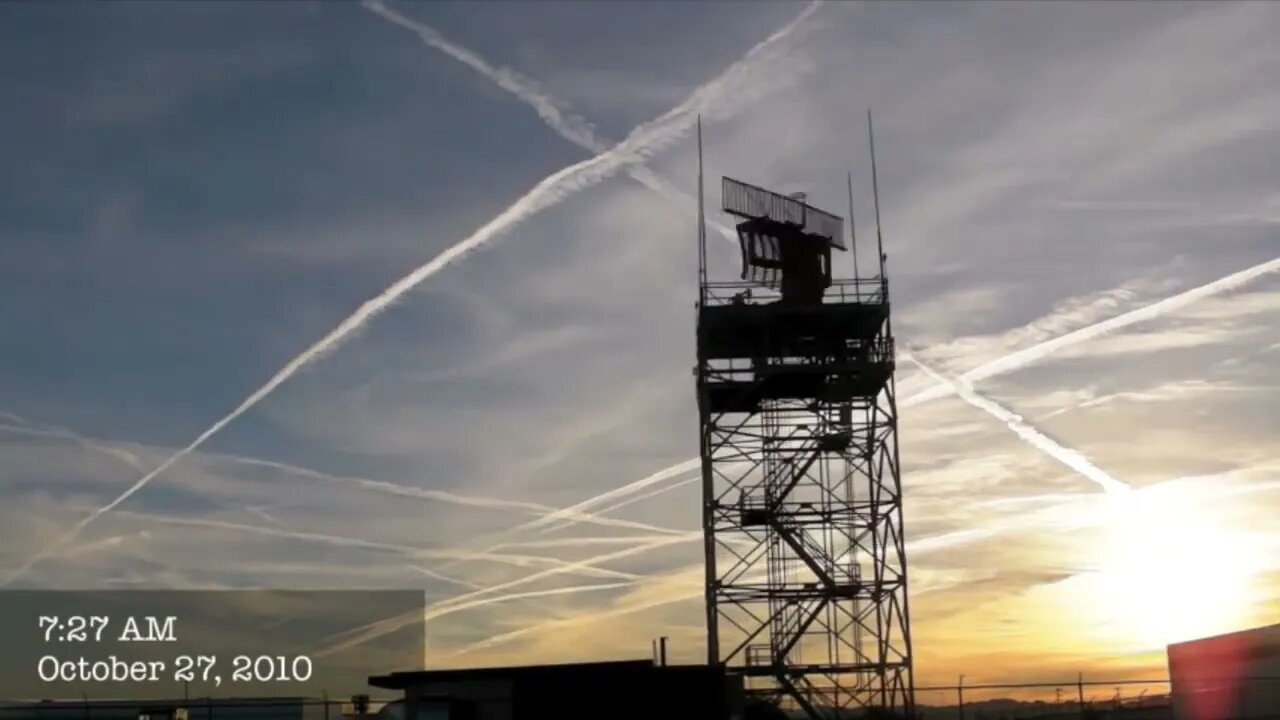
960	696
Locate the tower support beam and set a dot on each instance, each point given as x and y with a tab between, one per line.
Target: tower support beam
806	579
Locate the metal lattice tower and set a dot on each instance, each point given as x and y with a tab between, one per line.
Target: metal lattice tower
806	571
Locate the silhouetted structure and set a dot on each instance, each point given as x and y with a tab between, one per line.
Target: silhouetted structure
201	708
806	582
630	690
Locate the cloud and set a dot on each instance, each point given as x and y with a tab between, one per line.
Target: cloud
557	369
1034	436
738	85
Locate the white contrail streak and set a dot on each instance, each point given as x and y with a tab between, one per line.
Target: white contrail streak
604	511
579	541
570	127
476	598
566	513
343	541
378	486
374	485
354	639
1035	437
613	612
50	431
1039	351
15	418
1082	508
738	85
1031	354
387	488
442	577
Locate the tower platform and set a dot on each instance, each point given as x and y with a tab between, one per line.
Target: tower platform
758	348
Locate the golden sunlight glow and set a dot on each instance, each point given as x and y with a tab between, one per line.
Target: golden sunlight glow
1170	569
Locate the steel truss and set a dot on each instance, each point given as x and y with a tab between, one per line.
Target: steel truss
802	503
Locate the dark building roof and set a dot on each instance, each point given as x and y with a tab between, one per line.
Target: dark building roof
402	680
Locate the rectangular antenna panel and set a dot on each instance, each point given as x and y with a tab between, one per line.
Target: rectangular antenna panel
749	201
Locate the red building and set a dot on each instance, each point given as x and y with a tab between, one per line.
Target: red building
1228	677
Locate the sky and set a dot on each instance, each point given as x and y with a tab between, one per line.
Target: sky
196	193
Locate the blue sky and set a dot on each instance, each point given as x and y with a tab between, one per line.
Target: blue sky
195	193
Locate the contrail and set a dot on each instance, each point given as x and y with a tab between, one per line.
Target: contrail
343	541
1039	351
1031	354
444	578
579	541
378	486
613	612
570	127
103	544
604	511
655	478
567	513
373	485
570	590
1038	518
51	431
1023	429
1022	521
381	486
476	598
735	87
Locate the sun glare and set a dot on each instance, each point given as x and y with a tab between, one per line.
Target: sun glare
1170	569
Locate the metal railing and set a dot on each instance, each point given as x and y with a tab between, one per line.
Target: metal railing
867	291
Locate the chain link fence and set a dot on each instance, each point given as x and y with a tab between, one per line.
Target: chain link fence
1250	698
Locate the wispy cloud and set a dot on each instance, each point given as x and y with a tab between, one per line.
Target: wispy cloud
1043	170
1039	351
1005	364
736	87
1025	430
132	459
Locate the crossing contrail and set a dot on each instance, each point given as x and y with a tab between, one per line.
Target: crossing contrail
51	431
377	486
1038	439
573	128
381	486
565	514
477	598
97	445
343	541
1081	507
1015	360
737	86
604	511
1039	351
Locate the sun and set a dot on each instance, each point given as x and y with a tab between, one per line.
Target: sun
1169	568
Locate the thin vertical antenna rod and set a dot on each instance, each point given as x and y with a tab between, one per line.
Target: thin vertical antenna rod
875	190
853	229
702	218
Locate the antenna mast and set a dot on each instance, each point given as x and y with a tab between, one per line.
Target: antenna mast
853	230
875	191
702	218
